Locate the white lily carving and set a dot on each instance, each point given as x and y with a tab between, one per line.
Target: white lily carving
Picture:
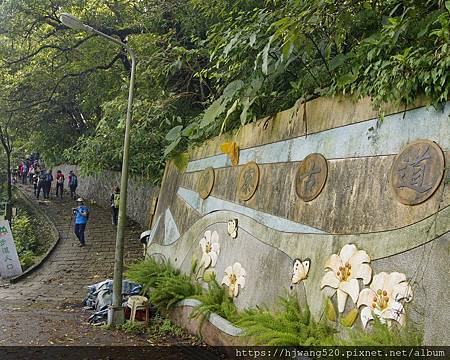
210	249
342	272
383	297
234	277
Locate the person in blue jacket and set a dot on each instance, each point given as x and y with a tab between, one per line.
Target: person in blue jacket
81	213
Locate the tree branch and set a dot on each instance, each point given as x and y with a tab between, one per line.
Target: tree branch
34	53
66	76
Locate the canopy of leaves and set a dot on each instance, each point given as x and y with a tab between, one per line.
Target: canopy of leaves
204	67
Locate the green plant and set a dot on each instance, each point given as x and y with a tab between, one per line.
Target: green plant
28	244
148	271
172	288
214	300
382	335
25	236
162	327
27	259
293	326
132	327
164	285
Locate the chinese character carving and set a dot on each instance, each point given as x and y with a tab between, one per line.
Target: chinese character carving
417	172
248	181
206	182
311	177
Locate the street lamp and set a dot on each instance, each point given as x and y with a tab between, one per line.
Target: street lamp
116	312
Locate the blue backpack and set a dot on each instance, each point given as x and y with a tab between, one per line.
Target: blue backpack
73	181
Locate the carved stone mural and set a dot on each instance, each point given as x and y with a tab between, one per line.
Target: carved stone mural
248	181
350	246
311	177
206	182
417	172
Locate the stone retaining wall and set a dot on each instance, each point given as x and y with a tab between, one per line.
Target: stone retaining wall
322	178
98	187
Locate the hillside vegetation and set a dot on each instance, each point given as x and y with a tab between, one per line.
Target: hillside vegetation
205	67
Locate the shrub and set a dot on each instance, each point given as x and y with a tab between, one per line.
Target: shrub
163	284
215	300
148	271
163	327
133	328
27	259
293	326
25	236
172	288
381	335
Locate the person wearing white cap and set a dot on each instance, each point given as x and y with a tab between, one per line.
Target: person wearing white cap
81	213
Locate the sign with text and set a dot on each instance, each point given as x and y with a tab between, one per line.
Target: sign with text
9	260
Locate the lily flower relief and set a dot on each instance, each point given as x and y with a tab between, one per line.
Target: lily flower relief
343	272
234	277
210	249
383	297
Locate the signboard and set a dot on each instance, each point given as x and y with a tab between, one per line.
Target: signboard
9	260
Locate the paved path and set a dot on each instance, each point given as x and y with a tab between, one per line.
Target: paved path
69	269
45	307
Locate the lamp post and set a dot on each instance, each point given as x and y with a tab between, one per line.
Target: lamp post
116	312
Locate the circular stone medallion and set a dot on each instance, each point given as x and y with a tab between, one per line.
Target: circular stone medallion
206	182
417	172
311	177
248	180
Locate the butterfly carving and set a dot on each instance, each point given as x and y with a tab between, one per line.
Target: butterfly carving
232	150
300	270
232	228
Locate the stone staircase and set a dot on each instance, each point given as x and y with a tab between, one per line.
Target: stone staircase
68	270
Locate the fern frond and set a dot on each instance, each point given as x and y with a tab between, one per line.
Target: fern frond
293	326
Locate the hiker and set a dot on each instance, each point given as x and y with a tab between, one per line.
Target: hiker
14	176
31	173
115	200
24	172
73	183
41	184
81	213
59	183
37	166
35	183
48	184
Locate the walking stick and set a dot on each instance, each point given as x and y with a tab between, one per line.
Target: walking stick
70	224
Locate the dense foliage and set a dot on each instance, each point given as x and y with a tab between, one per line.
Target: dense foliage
31	235
214	300
292	326
163	284
204	67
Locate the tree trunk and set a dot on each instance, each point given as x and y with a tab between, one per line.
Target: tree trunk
9	186
7	147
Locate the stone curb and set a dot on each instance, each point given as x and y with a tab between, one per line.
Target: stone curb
55	232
